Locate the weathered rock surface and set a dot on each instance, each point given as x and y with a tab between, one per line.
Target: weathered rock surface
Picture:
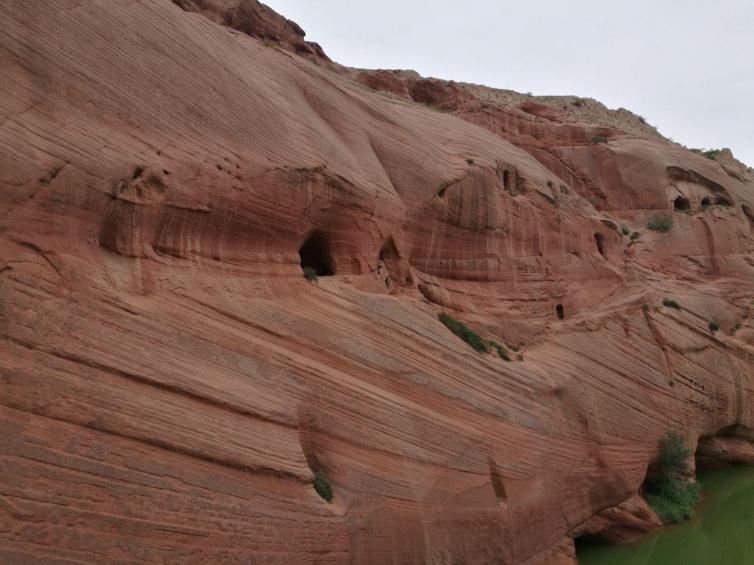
623	523
169	383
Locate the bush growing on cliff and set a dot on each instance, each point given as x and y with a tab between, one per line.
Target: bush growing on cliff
597	139
322	487
666	491
310	274
675	503
501	350
624	230
713	326
465	333
635	236
660	223
671	304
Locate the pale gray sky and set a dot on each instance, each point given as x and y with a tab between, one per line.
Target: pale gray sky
687	66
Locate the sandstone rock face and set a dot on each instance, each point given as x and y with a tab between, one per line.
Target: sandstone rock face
623	523
170	384
257	20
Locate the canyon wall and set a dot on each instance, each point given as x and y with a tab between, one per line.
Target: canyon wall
171	385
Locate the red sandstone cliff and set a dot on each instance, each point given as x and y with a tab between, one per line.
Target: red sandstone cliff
169	382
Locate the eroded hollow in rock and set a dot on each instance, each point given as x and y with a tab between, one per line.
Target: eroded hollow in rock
397	271
507	180
560	311
315	254
681	204
599	239
496	480
388	252
706	202
748	213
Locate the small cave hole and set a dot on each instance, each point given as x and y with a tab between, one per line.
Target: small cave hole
389	251
497	482
507	180
599	239
681	204
315	254
390	259
560	311
137	172
706	202
722	201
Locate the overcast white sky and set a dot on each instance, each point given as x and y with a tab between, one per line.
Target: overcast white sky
685	65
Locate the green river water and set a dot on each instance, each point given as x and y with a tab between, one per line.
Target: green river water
721	533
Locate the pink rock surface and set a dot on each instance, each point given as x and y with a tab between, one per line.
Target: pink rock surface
169	382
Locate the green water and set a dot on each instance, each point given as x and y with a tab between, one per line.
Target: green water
722	533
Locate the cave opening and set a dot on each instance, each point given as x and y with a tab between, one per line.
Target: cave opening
389	251
681	204
507	180
315	254
560	311
706	202
599	239
397	271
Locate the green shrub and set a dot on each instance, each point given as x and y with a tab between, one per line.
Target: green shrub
463	331
713	326
599	139
635	236
671	304
501	350
675	502
660	223
645	307
624	230
671	460
578	103
666	491
310	274
322	487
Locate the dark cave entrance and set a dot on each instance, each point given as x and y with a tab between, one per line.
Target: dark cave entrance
397	271
706	202
315	254
389	252
599	239
507	180
681	204
722	201
560	311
